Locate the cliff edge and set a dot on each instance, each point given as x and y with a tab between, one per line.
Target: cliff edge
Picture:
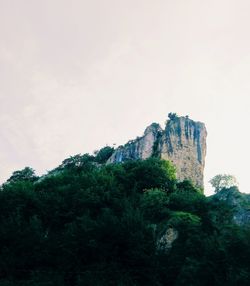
183	142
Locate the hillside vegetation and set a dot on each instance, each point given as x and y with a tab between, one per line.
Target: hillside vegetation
87	223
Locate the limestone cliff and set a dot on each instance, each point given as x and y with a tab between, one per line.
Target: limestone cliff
183	142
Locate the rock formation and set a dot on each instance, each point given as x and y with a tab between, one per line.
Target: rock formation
165	242
183	142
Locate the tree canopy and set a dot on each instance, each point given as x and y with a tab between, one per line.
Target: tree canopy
87	223
26	174
222	181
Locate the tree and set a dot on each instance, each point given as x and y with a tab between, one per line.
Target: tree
76	161
104	154
172	116
222	181
26	174
150	173
154	204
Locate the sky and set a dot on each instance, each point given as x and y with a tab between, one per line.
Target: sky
76	75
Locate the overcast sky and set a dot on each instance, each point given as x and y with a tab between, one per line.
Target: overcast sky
76	75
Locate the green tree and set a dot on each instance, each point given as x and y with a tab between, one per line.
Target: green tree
172	116
150	173
104	154
26	174
75	162
222	181
95	224
155	204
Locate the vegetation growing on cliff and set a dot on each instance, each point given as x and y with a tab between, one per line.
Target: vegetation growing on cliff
91	224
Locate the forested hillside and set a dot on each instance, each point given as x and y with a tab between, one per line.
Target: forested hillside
87	223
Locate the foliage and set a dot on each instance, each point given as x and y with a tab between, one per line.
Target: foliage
26	174
156	152
90	224
172	116
183	219
154	204
223	181
104	154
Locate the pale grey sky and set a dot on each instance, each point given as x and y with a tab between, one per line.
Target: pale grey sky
76	75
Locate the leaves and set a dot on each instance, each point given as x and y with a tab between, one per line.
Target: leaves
223	181
90	224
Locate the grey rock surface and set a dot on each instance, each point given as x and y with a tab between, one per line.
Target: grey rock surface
183	142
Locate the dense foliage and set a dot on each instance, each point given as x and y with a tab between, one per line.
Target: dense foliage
90	224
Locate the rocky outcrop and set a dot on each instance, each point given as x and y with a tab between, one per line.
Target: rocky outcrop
165	242
140	148
183	142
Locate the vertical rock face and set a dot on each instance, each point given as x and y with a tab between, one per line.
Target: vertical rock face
183	142
140	148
